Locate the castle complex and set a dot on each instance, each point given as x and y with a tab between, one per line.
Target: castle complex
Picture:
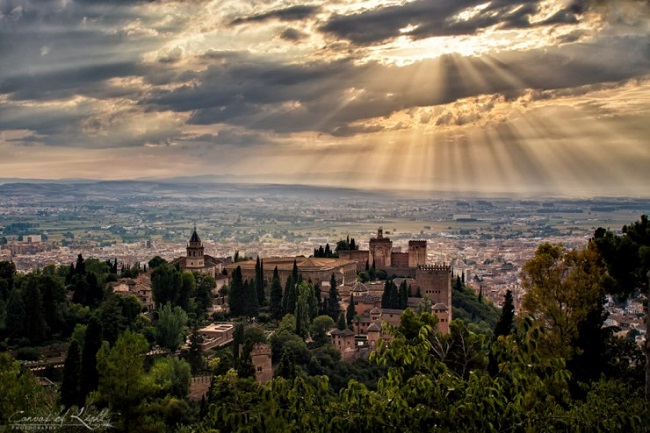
382	255
427	283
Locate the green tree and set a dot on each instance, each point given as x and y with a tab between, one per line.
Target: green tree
287	366
295	273
403	295
562	287
250	298
70	390
16	313
276	296
506	321
34	319
166	283
290	296
171	327
205	285
237	298
89	376
123	384
172	376
187	291
340	324
156	261
627	258
20	392
259	282
111	318
195	353
320	326
350	312
333	305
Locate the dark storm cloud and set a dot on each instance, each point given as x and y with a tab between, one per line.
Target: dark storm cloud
429	18
65	83
293	35
293	13
329	97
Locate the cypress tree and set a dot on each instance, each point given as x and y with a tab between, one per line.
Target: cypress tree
287	366
237	300
350	312
68	277
294	273
318	298
80	268
385	296
250	299
71	375
16	313
195	354
89	376
403	296
340	324
35	326
94	292
237	343
504	325
276	296
290	296
333	306
259	283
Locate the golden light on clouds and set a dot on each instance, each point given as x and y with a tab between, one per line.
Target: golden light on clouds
546	96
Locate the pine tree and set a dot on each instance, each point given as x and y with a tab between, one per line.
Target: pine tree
333	306
276	296
89	376
70	390
350	312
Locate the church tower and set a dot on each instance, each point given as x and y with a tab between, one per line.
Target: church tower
194	257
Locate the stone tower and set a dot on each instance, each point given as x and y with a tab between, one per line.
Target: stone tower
195	257
381	249
435	283
417	253
261	358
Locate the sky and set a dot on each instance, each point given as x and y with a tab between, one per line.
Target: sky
546	97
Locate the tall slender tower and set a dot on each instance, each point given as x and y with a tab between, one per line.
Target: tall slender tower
194	252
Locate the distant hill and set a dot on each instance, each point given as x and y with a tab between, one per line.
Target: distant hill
201	187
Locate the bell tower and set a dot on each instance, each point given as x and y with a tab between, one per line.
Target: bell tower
194	257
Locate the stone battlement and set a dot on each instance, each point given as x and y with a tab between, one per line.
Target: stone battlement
435	267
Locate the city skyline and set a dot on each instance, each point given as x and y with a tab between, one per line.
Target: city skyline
512	96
